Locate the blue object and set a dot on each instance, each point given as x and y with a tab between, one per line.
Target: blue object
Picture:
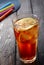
5	5
15	2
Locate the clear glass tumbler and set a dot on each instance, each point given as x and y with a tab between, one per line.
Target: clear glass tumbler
26	28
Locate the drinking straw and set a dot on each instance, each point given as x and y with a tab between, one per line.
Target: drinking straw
5	5
6	10
6	14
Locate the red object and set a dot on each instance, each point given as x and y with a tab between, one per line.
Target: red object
6	14
6	11
27	42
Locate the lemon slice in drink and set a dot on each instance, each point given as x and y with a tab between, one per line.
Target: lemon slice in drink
25	23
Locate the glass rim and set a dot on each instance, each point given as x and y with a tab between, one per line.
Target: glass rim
18	18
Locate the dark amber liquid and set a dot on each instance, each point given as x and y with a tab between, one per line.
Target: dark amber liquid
27	42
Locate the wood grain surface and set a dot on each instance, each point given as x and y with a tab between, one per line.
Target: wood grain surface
8	47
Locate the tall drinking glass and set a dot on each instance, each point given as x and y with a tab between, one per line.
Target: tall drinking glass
26	33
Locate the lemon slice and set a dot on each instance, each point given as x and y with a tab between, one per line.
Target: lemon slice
25	23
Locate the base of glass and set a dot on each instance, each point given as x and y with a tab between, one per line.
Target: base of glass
28	61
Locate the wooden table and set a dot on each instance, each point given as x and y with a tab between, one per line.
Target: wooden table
8	48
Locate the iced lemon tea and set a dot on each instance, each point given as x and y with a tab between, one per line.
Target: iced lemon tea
26	33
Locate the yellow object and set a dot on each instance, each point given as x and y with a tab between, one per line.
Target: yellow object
6	7
26	23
